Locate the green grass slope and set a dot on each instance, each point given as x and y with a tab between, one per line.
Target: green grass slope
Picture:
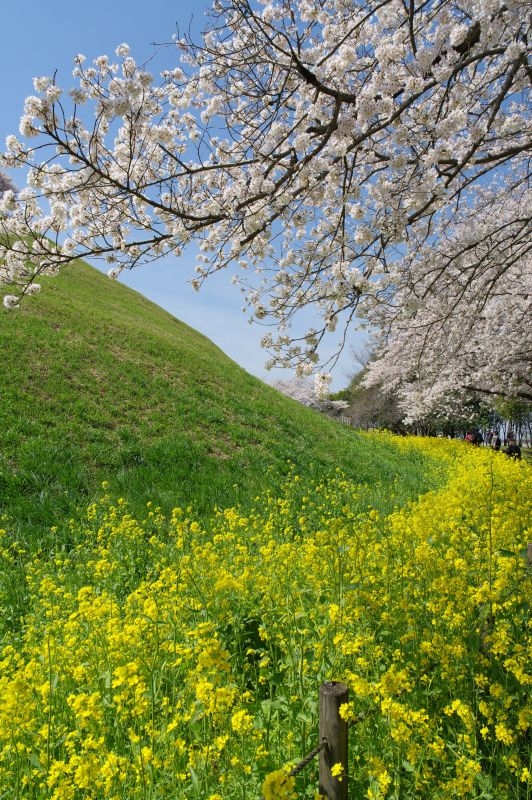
97	383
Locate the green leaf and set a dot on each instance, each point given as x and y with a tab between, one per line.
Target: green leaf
34	761
195	781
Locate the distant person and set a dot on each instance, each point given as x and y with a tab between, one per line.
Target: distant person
513	450
469	437
495	441
478	439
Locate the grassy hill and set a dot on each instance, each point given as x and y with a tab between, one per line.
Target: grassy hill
97	383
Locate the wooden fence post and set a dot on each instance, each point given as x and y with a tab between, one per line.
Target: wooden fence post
334	729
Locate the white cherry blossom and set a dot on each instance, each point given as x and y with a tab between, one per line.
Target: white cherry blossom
365	159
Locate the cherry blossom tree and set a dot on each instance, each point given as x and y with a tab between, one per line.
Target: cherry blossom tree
6	184
367	159
466	323
312	394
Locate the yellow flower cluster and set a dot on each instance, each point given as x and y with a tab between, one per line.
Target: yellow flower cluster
278	785
164	658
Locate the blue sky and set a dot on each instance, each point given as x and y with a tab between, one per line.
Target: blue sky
39	38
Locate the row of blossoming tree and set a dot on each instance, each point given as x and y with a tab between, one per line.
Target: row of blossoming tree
368	159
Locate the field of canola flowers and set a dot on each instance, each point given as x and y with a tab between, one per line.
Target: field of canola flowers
162	659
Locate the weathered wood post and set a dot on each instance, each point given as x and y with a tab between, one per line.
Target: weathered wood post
334	729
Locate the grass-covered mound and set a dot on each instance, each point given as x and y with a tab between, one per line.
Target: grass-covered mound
99	383
174	658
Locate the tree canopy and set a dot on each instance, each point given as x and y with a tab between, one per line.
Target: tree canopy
367	158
